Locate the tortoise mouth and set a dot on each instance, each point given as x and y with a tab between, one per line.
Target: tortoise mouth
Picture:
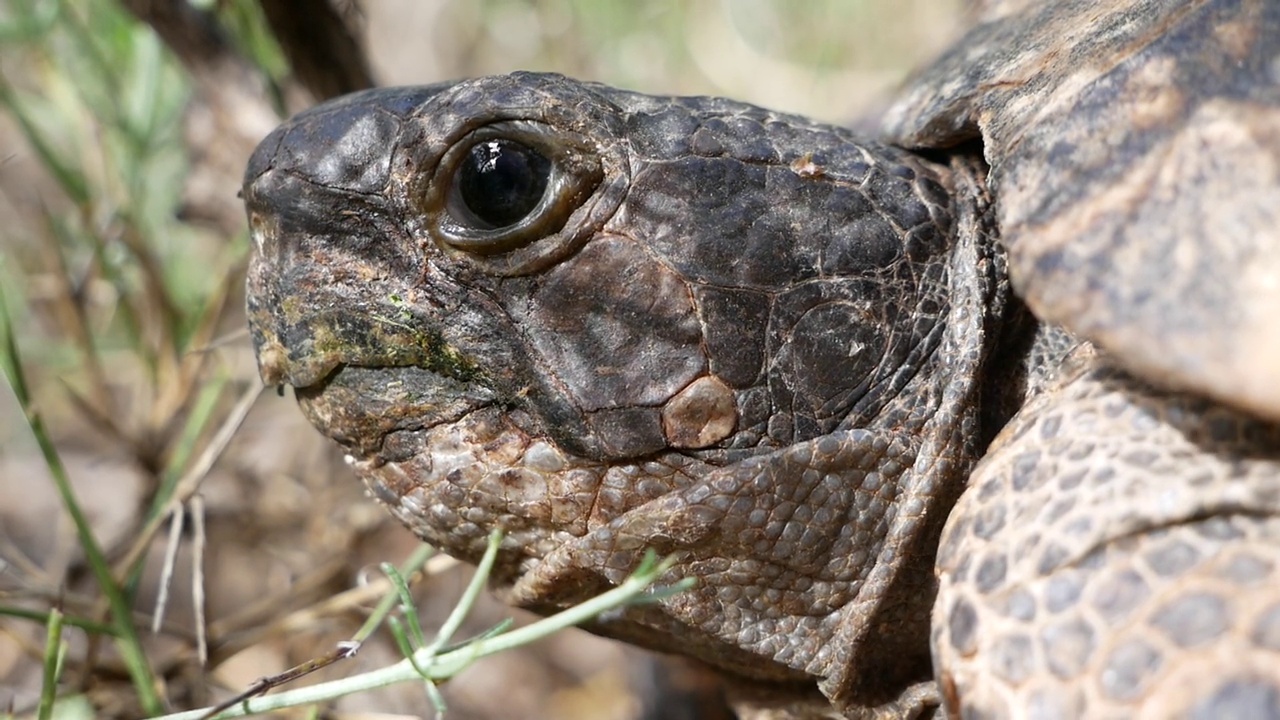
359	406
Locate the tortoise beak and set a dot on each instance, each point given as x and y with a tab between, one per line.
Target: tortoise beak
341	303
331	276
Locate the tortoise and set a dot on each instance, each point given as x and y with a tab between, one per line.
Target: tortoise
980	417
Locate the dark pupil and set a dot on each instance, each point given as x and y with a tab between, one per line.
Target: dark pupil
502	181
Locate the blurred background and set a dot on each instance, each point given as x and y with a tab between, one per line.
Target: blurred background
124	127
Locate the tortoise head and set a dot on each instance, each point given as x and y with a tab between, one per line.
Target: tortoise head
543	305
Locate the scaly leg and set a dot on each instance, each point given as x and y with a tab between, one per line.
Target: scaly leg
1117	554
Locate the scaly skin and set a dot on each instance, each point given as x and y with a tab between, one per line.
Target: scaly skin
1117	555
769	349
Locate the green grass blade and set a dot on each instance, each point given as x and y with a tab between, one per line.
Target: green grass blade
127	641
54	650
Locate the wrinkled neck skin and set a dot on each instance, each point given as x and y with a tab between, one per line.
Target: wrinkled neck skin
736	337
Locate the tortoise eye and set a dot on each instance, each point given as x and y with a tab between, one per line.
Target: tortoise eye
498	183
509	185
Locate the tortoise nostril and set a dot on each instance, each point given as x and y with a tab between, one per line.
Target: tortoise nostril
273	362
258	230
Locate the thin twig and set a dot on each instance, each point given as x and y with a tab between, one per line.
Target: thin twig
265	685
166	568
198	542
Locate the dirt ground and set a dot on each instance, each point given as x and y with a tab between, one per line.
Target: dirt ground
288	536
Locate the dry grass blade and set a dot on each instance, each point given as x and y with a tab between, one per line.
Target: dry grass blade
166	572
198	542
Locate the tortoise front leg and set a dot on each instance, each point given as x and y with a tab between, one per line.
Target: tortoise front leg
1117	554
